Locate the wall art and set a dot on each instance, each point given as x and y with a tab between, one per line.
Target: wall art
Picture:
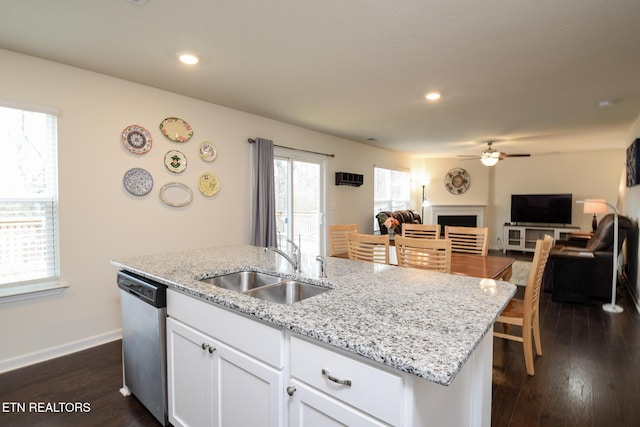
136	139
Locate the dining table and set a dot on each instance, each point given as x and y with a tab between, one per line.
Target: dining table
484	266
463	264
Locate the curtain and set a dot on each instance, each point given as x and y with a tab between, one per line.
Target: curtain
264	201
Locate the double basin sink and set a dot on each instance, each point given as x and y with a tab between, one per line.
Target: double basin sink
266	287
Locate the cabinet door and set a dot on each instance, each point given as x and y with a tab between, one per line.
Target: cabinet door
189	376
513	238
248	392
312	408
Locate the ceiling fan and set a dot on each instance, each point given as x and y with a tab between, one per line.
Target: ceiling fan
491	156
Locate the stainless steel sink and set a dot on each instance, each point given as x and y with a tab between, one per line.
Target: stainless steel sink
266	287
243	281
287	292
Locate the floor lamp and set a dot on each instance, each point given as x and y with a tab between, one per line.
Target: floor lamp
590	207
425	202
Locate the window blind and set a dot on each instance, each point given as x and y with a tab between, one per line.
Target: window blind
28	197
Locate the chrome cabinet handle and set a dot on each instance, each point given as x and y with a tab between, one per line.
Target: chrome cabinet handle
206	346
336	380
291	389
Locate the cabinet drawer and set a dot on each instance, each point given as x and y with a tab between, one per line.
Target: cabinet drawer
375	391
264	342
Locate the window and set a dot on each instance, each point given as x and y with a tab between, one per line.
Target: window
299	200
392	191
28	198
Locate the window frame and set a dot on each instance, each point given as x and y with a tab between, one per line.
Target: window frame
392	203
25	206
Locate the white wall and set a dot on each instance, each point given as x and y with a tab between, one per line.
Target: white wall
630	199
584	174
100	221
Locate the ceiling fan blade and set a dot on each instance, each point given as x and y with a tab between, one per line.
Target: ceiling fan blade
515	155
468	156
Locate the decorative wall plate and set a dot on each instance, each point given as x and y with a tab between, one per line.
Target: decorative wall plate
457	181
207	151
176	129
137	181
170	194
175	161
208	184
136	139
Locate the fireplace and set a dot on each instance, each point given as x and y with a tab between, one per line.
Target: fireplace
458	220
465	216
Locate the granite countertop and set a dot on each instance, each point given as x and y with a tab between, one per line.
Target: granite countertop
417	321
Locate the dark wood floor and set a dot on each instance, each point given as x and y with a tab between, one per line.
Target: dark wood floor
589	376
92	376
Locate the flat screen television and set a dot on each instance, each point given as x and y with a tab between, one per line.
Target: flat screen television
541	208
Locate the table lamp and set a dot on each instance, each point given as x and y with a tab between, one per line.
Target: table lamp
613	307
595	206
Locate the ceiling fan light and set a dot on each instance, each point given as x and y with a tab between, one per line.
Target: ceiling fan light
489	159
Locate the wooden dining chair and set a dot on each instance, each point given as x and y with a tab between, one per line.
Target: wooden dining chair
430	254
423	231
469	240
525	313
338	237
369	247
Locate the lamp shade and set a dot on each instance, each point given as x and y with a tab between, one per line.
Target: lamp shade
490	158
595	206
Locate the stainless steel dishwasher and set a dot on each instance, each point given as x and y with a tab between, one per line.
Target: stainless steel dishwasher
143	307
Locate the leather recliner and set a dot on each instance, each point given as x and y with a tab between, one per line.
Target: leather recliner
405	216
599	258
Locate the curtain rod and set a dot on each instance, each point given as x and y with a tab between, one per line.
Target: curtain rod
251	141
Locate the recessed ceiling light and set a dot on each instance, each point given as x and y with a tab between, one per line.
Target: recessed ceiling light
189	59
432	96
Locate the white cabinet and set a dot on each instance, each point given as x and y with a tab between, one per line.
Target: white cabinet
190	369
210	382
331	384
225	369
312	408
523	238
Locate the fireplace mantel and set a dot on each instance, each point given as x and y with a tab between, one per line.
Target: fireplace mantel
472	210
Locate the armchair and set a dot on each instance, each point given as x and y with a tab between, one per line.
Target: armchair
577	272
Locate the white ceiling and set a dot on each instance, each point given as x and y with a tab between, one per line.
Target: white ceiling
529	74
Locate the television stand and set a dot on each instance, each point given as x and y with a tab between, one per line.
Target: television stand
523	237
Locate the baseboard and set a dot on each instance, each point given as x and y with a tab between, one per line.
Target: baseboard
632	295
62	350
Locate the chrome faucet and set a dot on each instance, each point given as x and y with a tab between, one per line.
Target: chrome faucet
294	260
323	264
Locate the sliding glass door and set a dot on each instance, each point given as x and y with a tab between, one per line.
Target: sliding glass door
300	193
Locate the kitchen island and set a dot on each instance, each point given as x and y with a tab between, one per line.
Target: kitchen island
431	330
